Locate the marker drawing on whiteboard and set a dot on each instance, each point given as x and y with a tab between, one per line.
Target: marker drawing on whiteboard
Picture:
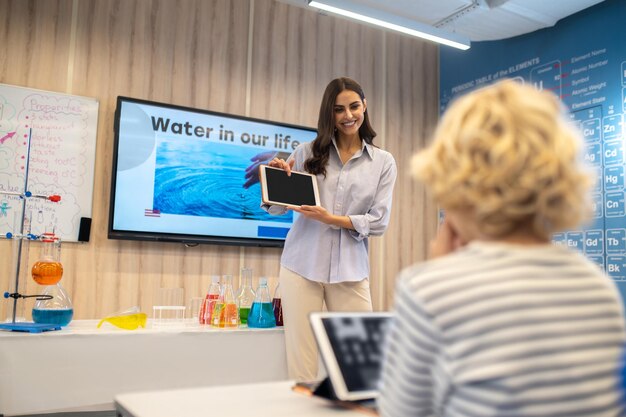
6	137
3	209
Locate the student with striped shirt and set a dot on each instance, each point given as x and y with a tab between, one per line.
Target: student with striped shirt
500	322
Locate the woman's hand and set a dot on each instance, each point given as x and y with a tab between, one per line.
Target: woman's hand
318	213
282	164
446	241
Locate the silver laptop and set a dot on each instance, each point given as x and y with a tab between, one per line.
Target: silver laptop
351	346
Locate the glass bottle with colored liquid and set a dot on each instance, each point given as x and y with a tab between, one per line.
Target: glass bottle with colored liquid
277	304
54	305
262	313
225	313
212	295
246	295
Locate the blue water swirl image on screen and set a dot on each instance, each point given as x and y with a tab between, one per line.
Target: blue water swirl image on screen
202	178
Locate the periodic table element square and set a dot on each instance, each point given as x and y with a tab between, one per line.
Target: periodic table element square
597	205
616	241
594	242
597	179
616	267
614	178
612	127
559	239
598	260
593	154
614	204
614	153
575	240
591	130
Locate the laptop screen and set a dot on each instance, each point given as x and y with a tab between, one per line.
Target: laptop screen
351	347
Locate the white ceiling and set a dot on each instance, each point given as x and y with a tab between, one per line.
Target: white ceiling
478	20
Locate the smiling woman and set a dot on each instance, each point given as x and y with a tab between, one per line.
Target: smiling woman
325	260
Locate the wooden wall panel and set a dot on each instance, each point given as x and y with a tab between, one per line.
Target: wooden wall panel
195	53
412	98
35	40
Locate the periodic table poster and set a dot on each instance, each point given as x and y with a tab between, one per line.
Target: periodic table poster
583	60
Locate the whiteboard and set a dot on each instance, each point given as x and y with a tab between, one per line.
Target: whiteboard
62	130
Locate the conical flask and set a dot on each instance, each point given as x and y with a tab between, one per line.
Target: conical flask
246	295
212	295
55	310
262	312
225	312
277	305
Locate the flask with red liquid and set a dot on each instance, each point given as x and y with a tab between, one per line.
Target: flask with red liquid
277	304
209	302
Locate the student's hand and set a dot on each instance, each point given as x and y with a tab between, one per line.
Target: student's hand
282	164
252	172
446	241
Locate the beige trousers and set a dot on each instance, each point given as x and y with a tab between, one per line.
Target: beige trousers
300	297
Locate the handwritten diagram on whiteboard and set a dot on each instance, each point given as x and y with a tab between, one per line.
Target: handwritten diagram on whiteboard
62	131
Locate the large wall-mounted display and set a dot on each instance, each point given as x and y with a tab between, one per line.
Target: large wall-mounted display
187	175
583	60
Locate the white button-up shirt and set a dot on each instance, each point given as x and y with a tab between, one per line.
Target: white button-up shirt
361	189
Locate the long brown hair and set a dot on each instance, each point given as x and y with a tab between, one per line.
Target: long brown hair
316	164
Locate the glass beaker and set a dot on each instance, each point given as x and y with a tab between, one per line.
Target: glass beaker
277	304
56	308
47	270
246	295
225	312
262	312
169	310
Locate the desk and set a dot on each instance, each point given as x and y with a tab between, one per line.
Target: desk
82	368
274	399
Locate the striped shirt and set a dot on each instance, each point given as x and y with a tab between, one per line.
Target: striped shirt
503	330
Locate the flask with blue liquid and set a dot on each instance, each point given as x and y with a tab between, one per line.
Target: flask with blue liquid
262	312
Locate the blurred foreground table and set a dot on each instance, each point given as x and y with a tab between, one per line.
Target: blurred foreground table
81	368
273	399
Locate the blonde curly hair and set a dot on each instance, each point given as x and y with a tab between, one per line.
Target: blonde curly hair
508	155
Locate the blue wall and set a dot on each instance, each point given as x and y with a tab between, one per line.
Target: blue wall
583	60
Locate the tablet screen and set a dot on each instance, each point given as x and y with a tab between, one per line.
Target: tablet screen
297	189
351	346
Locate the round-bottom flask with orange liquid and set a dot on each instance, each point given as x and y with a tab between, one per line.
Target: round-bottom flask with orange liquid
47	270
54	306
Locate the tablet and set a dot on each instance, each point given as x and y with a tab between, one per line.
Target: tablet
351	346
278	188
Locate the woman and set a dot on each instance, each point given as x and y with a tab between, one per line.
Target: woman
325	259
502	322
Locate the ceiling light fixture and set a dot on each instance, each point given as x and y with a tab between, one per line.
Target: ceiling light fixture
391	21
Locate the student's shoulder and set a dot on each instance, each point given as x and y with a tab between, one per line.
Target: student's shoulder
425	273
